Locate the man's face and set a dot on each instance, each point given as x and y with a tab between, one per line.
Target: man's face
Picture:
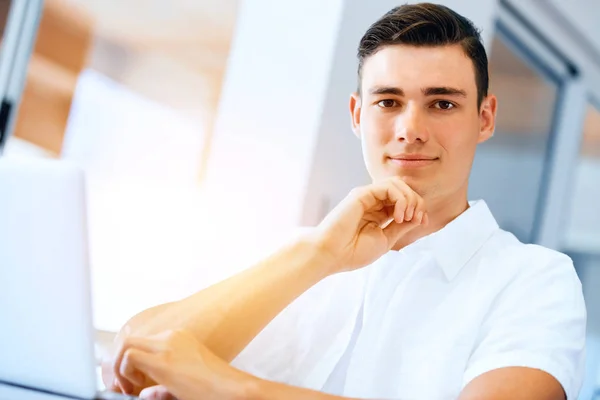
418	117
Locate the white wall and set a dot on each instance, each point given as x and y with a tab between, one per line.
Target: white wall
270	111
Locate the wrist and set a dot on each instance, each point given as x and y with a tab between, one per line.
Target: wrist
314	246
250	388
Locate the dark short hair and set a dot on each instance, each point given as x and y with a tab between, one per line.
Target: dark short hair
427	24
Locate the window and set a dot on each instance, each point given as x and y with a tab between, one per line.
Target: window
141	160
583	230
581	238
508	170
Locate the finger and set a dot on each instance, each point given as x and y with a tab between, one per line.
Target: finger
130	372
395	230
151	365
156	393
121	384
420	210
115	386
411	204
412	198
418	218
400	210
397	200
379	217
145	344
375	197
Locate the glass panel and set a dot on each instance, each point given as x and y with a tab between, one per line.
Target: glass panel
583	226
582	241
508	169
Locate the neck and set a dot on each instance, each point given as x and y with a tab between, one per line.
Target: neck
440	213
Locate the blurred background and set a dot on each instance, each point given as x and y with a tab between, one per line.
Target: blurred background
211	130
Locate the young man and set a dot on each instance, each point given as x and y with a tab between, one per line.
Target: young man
434	302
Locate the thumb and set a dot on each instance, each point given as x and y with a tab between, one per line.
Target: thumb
156	393
394	231
150	365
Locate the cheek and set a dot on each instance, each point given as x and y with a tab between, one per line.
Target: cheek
376	129
456	133
375	134
458	144
371	151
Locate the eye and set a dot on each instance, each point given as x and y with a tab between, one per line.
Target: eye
387	103
444	105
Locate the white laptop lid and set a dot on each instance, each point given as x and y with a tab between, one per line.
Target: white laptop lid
46	332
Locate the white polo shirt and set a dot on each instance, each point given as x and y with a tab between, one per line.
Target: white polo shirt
423	322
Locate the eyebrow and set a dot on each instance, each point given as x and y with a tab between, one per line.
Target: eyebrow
430	91
387	90
443	91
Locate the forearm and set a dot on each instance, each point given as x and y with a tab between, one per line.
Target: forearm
266	390
227	316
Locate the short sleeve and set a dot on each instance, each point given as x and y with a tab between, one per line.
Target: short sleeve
277	351
270	355
537	321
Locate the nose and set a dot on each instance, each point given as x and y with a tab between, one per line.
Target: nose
411	126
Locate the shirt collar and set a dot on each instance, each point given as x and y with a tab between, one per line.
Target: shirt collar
456	243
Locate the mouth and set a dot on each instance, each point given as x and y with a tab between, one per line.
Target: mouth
412	160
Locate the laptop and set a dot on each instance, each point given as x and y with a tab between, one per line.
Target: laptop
47	333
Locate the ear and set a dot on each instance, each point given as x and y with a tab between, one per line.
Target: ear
355	107
487	118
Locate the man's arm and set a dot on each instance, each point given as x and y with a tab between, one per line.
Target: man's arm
511	383
188	370
514	383
227	316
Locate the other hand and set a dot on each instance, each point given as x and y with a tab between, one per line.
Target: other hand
181	366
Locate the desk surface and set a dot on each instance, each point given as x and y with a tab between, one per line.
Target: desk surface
15	393
8	392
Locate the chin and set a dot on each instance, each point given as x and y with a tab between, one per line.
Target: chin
417	183
406	175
